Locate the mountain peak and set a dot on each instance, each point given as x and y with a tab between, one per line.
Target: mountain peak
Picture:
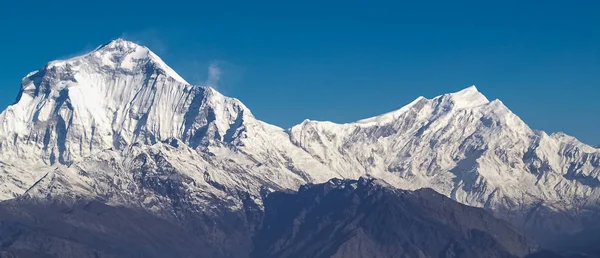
471	88
120	42
467	98
123	55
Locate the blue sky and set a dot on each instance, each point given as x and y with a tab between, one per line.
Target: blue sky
339	61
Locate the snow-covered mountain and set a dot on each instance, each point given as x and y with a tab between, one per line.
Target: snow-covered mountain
464	146
83	126
119	125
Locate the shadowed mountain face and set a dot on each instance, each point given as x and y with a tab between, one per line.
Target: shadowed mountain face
583	244
92	229
356	219
340	218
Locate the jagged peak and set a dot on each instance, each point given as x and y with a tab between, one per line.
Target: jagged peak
119	43
120	54
470	89
466	98
469	97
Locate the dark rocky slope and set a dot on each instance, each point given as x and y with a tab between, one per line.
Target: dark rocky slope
356	219
341	218
93	229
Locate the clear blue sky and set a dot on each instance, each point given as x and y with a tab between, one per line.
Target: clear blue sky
339	61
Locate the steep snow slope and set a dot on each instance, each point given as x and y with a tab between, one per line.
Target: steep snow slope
467	147
119	125
117	95
107	110
462	145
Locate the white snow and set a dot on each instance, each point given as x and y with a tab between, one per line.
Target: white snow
96	120
468	98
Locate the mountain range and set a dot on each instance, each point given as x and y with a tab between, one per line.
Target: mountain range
119	130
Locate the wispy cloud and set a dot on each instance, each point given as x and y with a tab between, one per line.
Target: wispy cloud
214	75
222	75
197	65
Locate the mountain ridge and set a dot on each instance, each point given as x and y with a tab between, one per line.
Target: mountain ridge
368	218
116	125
